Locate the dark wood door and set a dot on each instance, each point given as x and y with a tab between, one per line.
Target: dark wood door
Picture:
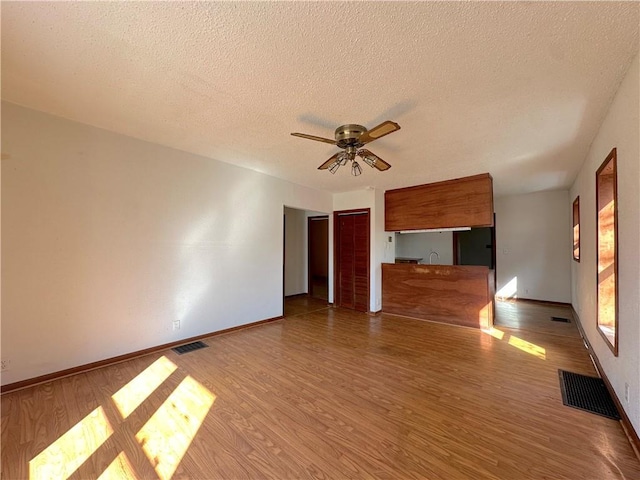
346	262
361	264
352	260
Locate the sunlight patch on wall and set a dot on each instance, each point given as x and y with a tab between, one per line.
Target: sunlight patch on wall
510	290
166	437
195	280
119	469
129	397
192	291
199	232
221	242
249	197
485	316
67	453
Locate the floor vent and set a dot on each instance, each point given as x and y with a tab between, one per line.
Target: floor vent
560	319
587	393
189	347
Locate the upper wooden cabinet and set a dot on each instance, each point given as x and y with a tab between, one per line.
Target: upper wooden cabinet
463	202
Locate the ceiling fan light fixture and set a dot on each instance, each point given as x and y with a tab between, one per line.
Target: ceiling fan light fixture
369	160
351	138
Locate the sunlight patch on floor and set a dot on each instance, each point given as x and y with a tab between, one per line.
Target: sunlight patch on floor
67	453
129	397
519	343
165	438
119	469
494	332
167	435
528	347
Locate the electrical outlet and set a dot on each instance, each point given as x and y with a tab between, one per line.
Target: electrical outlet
626	392
176	324
5	365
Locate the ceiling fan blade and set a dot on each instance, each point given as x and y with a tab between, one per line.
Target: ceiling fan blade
328	163
385	128
313	137
373	160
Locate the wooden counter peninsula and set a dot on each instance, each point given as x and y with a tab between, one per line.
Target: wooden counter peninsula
455	294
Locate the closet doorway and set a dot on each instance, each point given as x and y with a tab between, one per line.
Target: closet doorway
352	253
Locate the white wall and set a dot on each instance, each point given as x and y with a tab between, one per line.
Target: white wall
295	248
381	250
533	244
107	240
420	245
620	130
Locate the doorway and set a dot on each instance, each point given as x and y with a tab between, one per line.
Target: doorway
318	239
352	254
299	262
474	247
477	247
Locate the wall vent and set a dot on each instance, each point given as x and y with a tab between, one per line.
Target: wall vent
189	347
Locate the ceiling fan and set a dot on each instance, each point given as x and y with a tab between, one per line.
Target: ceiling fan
351	138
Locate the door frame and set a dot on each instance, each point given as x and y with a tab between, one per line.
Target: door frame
336	252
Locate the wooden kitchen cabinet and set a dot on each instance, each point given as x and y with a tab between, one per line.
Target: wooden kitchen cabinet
463	202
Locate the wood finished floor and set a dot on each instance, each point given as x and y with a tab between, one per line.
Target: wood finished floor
535	317
300	304
329	394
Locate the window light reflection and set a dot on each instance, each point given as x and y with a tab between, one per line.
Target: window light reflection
129	397
167	435
63	457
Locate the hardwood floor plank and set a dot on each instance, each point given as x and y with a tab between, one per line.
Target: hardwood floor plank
330	393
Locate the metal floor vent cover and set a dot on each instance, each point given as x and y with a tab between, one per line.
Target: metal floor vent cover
560	319
587	393
189	347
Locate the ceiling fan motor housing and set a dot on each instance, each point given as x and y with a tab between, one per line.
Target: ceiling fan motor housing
351	138
349	135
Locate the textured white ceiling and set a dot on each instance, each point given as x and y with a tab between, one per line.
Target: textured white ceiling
517	89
